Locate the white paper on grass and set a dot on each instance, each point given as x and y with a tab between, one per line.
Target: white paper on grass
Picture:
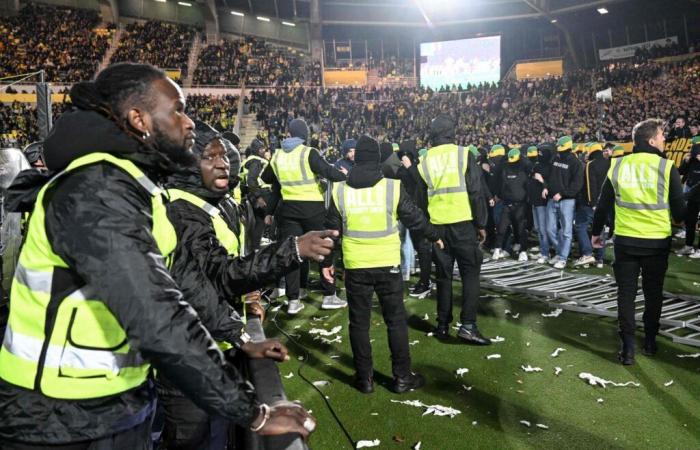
430	334
556	313
321	383
583	334
557	370
668	383
417	446
498	339
413	342
425	317
322	332
689	355
600	400
467	388
366	444
336	339
597	381
289	375
508	312
530	369
556	352
461	372
541	425
493	356
437	410
525	422
319	319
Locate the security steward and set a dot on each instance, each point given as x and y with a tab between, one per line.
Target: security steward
645	189
256	190
452	182
366	209
93	306
294	173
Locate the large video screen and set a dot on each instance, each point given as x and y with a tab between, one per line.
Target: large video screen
464	61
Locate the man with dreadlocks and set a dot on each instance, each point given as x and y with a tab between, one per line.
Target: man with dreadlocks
93	306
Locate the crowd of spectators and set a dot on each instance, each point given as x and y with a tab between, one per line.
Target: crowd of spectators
62	41
659	51
165	45
18	123
393	67
218	111
257	62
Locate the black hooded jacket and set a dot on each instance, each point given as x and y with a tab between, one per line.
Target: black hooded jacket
98	220
543	166
594	173
690	170
512	182
566	176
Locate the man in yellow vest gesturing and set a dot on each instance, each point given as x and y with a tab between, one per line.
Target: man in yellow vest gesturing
645	189
366	209
452	180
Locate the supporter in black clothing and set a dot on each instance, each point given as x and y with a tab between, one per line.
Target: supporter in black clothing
538	201
512	190
256	191
690	171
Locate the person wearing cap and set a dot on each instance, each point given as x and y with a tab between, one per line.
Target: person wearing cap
451	180
645	190
595	171
690	171
295	172
366	209
536	185
565	182
618	151
34	153
347	153
491	172
256	191
512	190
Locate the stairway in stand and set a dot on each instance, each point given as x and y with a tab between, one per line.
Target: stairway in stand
192	60
112	48
248	130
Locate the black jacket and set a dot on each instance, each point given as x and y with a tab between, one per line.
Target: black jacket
594	174
606	205
364	176
98	221
512	182
543	166
253	190
690	170
566	176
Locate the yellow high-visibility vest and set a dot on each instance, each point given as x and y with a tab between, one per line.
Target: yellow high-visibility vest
443	169
294	174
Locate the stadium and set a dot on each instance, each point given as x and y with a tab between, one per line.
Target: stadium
273	224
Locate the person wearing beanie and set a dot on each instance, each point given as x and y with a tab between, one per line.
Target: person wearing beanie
512	190
208	267
347	151
537	182
366	209
496	156
256	191
643	220
565	182
34	153
532	154
451	180
595	170
690	172
295	173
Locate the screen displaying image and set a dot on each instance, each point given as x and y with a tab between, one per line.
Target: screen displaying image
464	61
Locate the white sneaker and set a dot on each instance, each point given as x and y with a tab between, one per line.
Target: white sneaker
553	260
294	307
333	302
686	250
680	234
541	260
522	257
695	254
497	254
277	293
584	260
599	264
560	264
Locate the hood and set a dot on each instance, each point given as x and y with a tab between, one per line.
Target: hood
79	132
546	153
22	194
291	143
442	130
408	148
364	176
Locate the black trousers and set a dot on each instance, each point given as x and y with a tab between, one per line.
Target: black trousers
424	250
691	222
298	278
652	263
515	215
256	231
360	285
461	245
137	438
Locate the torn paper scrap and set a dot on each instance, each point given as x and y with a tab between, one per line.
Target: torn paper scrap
336	339
417	446
557	351
413	342
556	313
597	381
508	312
296	327
425	317
493	356
430	334
467	388
541	425
462	371
583	334
668	383
374	414
557	370
498	339
600	400
474	423
289	375
525	422
437	410
530	369
689	355
319	319
367	444
322	332
321	383
334	356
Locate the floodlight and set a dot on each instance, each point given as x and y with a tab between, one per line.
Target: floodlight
184	4
264	19
236	13
602	10
289	24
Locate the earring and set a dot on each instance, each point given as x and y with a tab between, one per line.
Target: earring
146	135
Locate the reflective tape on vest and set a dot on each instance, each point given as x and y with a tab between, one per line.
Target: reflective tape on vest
660	204
391	227
462	187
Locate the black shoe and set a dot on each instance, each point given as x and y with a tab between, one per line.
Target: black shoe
419	290
441	332
410	382
626	353
364	384
650	348
472	336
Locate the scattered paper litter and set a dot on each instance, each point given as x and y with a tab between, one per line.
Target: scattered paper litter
276	308
322	332
425	317
557	370
556	313
462	371
289	375
321	383
430	334
498	339
583	334
300	358
334	357
337	339
668	383
527	344
597	381
530	369
296	327
374	414
366	444
493	356
371	340
413	342
689	355
541	425
600	400
467	388
508	312
557	351
526	423
437	410
319	319
417	446
474	423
